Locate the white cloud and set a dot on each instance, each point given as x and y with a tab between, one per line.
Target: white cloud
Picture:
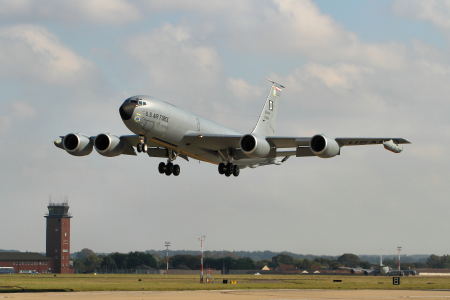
175	62
436	12
94	11
32	52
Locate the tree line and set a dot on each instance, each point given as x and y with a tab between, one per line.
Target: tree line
86	261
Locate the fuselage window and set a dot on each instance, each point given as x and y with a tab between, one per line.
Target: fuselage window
270	105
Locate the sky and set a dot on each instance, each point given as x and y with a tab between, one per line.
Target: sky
350	68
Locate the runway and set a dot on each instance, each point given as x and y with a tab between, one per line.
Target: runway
239	295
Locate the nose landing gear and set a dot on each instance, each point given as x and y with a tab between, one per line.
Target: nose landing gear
142	145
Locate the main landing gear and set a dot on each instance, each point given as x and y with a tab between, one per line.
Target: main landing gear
229	169
169	169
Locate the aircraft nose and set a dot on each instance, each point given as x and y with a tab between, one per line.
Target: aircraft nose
126	110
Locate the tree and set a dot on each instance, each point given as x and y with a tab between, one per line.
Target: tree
207	254
349	260
365	265
245	263
108	264
92	263
137	258
262	263
120	259
282	259
232	255
298	263
84	253
306	264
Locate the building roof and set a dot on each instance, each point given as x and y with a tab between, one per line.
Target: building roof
22	256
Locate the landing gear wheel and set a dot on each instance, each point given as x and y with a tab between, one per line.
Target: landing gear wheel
162	167
236	171
228	174
176	170
139	147
222	168
169	169
144	147
230	168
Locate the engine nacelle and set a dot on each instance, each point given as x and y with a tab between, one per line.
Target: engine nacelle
108	144
391	146
77	144
254	146
324	146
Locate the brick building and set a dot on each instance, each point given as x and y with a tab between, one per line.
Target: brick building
58	236
26	261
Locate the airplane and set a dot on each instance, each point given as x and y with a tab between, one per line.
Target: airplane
382	270
164	130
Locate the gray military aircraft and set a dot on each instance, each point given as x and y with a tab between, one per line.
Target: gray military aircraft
164	130
382	270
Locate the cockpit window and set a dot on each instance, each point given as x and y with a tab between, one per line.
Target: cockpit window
140	102
145	103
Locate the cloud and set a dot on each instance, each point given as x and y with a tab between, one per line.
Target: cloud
32	52
92	11
174	62
436	12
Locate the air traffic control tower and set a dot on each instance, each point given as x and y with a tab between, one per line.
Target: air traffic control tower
58	236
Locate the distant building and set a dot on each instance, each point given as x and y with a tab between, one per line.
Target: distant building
26	261
58	236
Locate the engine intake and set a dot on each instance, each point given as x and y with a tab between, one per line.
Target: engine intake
77	144
108	145
324	146
254	146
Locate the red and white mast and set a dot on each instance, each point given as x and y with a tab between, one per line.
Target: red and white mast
399	249
167	245
201	239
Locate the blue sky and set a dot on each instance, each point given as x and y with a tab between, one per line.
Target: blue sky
351	68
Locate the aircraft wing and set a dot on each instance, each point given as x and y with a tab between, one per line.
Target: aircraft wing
213	141
218	141
345	141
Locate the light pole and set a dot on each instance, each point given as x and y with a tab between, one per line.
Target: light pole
167	245
399	249
201	239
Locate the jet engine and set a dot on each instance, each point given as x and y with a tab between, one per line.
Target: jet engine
254	146
324	146
77	144
108	144
391	146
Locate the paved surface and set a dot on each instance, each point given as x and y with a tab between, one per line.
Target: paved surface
239	295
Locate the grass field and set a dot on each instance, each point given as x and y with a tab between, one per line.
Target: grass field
111	282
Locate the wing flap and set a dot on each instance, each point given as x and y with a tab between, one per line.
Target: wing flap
213	141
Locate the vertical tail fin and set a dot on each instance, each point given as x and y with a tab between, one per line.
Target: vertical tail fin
268	117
